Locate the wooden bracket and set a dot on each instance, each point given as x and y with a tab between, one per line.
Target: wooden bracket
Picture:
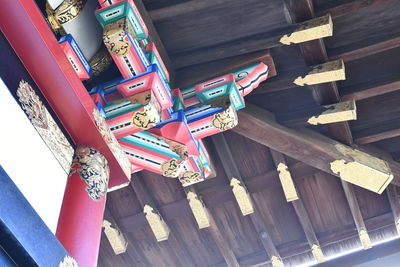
343	111
365	170
287	182
328	72
115	237
242	197
364	237
309	30
199	210
157	223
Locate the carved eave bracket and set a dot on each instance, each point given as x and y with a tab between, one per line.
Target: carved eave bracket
364	238
242	197
287	182
344	111
317	253
310	30
327	72
362	169
117	240
199	210
157	223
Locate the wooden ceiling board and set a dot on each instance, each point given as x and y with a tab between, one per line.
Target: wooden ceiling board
325	202
237	229
279	216
164	189
207	27
123	202
364	26
250	157
371	205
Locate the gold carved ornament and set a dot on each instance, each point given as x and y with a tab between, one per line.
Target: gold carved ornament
112	143
157	224
318	254
276	262
171	168
68	10
364	238
287	182
115	237
93	169
115	37
242	197
45	125
68	261
343	111
190	177
199	210
148	117
226	119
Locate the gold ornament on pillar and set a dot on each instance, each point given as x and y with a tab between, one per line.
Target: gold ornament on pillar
93	168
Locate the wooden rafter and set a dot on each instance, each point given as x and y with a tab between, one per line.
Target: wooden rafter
155	219
356	213
393	193
307	146
349	7
286	35
301	213
206	221
232	173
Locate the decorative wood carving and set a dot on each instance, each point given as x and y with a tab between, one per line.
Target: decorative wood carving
287	182
157	224
343	111
364	237
365	170
45	125
242	197
199	210
115	237
327	72
113	144
310	30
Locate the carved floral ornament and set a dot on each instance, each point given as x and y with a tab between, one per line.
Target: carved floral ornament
112	142
92	168
68	261
45	125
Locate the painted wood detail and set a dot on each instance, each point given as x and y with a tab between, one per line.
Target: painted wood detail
310	30
328	72
343	111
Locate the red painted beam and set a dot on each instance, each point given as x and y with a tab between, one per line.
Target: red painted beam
23	25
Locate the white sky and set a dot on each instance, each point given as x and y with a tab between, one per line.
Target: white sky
28	161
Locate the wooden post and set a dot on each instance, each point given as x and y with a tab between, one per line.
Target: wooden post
81	217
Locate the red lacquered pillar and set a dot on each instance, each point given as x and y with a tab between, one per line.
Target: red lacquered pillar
80	222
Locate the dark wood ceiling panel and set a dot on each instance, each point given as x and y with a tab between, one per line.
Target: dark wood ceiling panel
199	242
325	202
164	190
364	27
236	228
123	202
279	216
207	27
371	205
250	157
